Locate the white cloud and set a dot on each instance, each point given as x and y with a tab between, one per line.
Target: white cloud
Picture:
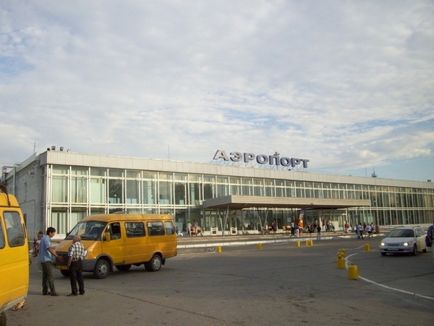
347	85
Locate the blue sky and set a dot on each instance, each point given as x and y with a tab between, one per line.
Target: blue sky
346	84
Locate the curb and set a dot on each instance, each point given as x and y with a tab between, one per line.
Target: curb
253	242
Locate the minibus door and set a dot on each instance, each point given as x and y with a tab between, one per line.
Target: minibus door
113	243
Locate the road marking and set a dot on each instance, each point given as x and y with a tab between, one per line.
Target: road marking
347	262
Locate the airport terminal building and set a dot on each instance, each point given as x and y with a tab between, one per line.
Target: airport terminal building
58	188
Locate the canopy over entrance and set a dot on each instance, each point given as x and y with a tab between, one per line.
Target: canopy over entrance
240	202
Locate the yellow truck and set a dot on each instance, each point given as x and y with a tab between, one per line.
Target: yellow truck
14	254
121	240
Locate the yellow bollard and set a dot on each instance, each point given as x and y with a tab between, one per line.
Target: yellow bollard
340	263
307	242
367	247
353	272
259	246
311	243
219	249
298	243
342	252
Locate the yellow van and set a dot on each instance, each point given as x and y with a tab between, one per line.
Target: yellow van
121	240
14	254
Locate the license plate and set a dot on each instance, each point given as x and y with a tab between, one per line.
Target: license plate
62	267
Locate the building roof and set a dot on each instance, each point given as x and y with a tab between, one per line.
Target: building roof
133	163
240	202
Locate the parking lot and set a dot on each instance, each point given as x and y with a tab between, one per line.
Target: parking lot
279	284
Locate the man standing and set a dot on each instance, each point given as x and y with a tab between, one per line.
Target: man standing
45	257
430	235
76	254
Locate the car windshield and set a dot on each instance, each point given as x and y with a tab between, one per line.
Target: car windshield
401	233
90	230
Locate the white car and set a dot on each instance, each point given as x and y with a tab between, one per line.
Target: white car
409	239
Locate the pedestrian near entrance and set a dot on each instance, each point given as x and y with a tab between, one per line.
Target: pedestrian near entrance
318	232
76	255
45	257
430	238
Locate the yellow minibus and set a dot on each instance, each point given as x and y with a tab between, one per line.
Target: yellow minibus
121	240
14	254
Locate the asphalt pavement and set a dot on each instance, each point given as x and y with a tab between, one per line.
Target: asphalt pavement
275	283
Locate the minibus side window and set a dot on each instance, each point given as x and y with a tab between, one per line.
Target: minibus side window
135	229
155	228
14	229
115	231
2	237
170	229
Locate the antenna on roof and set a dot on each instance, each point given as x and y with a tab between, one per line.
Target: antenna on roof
373	174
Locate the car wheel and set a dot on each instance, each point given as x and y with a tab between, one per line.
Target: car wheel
154	264
64	272
414	252
102	269
123	268
383	254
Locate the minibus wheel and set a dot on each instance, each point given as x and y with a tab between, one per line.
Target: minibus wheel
3	321
102	268
154	264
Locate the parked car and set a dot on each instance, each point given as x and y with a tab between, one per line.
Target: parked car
409	239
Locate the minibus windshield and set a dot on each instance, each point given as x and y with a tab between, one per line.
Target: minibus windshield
90	230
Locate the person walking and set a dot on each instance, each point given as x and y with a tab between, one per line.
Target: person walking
45	257
318	230
76	255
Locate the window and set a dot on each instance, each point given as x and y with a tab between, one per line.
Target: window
2	237
155	228
115	191
135	229
165	192
90	230
14	229
115	231
59	189
170	229
98	191
78	190
132	192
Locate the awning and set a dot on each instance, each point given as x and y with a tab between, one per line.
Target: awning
240	202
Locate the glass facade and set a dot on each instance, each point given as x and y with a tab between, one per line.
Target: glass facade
76	192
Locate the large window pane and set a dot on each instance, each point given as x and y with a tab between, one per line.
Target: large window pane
59	221
180	192
132	192
148	192
98	191
60	169
79	170
207	191
194	194
79	190
115	192
60	189
165	193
